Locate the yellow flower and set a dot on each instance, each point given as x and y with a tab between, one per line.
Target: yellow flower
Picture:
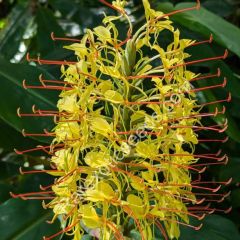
126	128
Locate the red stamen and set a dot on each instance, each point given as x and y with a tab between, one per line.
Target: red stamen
61	180
39	113
144	76
36	149
45	87
214	140
182	166
38	171
218	74
129	35
214	194
50	62
43	81
225	126
111	6
117	233
62	231
224	56
162	230
216	113
63	39
205	41
210	164
212	182
185	224
197	7
226	211
129	211
29	194
37	134
189	185
210	87
200	201
179	211
139	165
228	99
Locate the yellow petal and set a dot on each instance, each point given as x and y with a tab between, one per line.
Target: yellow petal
101	126
136	205
113	96
97	159
103	33
89	216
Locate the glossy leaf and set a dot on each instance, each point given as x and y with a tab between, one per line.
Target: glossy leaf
12	35
10	138
13	96
47	23
206	23
231	170
21	220
214	227
233	129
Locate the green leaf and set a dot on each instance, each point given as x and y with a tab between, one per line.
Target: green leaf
21	220
231	170
206	23
215	227
235	197
222	8
205	51
4	193
233	129
11	36
10	138
13	96
47	23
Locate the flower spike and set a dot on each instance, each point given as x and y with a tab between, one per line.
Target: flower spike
122	124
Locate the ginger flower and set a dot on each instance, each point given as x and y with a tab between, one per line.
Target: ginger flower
127	125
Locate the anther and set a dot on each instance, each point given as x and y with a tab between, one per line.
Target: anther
63	39
41	80
205	41
224	56
197	7
23	133
228	210
24	84
218	74
199	227
18	112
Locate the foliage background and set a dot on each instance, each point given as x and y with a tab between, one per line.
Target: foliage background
26	26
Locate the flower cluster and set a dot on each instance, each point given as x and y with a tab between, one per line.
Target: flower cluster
126	129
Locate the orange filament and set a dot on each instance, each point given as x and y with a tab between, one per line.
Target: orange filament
63	39
214	140
218	74
50	62
197	7
36	149
38	171
205	41
37	134
62	231
111	6
224	56
223	183
162	230
49	87
228	99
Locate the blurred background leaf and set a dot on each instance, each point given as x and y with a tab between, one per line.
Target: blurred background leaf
26	25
